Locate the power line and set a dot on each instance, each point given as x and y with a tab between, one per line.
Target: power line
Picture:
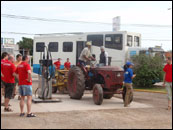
69	21
45	19
19	33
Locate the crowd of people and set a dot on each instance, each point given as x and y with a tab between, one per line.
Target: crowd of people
13	73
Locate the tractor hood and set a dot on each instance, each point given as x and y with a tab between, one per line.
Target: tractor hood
108	68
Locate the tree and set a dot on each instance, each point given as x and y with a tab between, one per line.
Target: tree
148	70
26	44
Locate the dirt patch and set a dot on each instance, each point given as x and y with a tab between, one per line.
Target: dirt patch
105	119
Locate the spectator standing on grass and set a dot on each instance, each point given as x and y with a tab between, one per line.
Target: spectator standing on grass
8	70
167	80
16	63
23	72
4	58
128	76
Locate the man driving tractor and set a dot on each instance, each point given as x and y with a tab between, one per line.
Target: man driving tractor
86	54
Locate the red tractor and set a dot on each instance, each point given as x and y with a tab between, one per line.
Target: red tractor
104	81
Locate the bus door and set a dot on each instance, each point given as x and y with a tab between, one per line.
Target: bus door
79	48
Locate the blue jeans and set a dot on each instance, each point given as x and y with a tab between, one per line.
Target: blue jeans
25	90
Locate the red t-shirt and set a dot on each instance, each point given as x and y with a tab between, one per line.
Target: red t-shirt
22	71
8	70
67	65
2	63
58	64
168	71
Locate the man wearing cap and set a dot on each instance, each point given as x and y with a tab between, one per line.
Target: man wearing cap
103	57
86	55
128	76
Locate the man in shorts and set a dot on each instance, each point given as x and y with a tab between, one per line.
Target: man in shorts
4	58
8	70
25	85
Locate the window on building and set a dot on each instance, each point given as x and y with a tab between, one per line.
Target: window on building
136	41
114	41
129	40
67	46
53	46
97	40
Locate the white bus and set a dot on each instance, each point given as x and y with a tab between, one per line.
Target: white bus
70	45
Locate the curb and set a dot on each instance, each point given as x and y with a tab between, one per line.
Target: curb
142	90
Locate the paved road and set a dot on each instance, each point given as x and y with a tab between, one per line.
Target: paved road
153	116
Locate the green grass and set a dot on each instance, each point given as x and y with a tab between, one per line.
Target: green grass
158	89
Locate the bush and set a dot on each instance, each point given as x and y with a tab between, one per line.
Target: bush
148	70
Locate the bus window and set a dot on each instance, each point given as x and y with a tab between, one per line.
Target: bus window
97	40
67	46
40	46
53	46
136	40
129	40
113	41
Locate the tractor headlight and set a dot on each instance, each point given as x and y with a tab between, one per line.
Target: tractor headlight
118	75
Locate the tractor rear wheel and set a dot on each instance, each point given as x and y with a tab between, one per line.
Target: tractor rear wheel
98	94
124	94
76	83
108	96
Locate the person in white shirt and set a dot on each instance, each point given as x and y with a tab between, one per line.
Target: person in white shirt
103	57
86	54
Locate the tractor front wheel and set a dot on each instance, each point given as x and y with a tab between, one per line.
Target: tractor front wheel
98	94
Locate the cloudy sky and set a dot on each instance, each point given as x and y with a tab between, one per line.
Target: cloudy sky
145	13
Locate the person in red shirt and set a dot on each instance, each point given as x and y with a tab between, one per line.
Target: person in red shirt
67	64
23	72
58	63
167	81
4	58
8	70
